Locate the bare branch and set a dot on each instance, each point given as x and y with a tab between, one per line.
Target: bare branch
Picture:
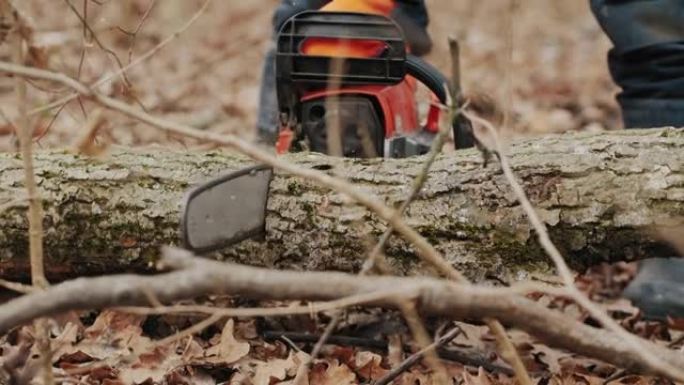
436	297
17	287
35	210
35	214
314	307
142	58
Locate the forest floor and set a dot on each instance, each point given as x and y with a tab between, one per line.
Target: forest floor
542	63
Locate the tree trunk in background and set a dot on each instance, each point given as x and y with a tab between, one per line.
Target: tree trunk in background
599	194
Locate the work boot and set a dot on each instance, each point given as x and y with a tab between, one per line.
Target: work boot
658	289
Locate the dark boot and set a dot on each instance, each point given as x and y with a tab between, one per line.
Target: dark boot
658	289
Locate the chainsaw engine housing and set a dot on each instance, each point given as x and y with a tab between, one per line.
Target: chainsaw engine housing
369	99
356	118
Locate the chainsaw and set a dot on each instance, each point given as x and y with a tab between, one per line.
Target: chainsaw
347	70
349	75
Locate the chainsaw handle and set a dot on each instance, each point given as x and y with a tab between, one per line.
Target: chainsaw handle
427	74
438	84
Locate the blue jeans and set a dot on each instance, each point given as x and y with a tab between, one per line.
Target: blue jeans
411	15
647	58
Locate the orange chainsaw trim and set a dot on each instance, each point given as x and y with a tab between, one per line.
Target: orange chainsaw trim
343	48
378	7
332	47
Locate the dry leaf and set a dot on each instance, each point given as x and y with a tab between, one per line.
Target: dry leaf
368	366
228	350
274	370
481	379
415	377
302	372
153	366
331	373
87	144
110	321
63	344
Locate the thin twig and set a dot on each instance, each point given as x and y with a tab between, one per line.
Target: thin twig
93	36
17	287
35	213
422	339
192	330
316	307
134	35
418	183
408	363
332	325
128	67
508	351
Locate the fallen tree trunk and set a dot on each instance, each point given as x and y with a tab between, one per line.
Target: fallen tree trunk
598	193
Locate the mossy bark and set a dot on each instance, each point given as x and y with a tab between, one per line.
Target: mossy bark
598	193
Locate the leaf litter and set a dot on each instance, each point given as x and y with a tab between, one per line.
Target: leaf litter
116	348
209	80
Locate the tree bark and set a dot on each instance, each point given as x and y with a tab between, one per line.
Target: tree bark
600	195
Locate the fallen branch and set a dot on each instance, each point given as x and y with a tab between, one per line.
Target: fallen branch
436	297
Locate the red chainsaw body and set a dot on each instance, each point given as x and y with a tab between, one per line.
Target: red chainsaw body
397	104
373	84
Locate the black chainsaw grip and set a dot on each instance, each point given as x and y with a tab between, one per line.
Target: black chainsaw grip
427	74
438	83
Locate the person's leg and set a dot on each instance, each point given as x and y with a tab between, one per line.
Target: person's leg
412	17
267	118
647	60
